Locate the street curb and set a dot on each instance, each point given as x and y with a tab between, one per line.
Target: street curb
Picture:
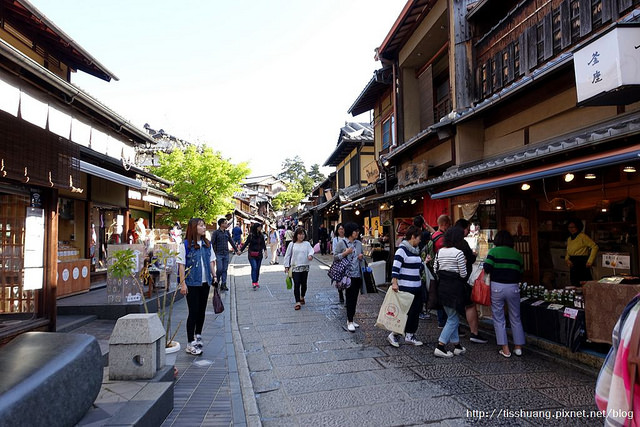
251	412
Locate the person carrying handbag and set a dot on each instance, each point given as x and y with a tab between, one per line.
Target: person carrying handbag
351	248
257	249
298	256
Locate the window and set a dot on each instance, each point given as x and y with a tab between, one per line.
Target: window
341	178
355	169
596	13
505	66
494	72
443	100
386	133
540	42
484	78
516	59
575	20
556	28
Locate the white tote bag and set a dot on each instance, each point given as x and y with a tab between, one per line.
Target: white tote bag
393	313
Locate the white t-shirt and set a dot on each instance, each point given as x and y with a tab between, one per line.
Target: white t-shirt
298	255
182	256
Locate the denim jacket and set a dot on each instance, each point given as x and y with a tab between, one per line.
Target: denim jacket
195	258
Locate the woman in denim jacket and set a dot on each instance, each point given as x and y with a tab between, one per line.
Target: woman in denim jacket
199	259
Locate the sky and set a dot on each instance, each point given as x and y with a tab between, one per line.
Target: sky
259	81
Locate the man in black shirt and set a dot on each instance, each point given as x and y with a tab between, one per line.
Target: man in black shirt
221	239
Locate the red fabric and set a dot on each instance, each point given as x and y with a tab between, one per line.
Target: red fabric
433	209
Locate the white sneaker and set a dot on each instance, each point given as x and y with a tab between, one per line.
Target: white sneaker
439	353
198	342
193	349
458	351
351	327
355	324
411	339
392	340
518	352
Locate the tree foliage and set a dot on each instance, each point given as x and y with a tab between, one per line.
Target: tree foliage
290	198
292	169
315	174
203	181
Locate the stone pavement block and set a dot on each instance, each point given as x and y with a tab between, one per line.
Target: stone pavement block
344	398
288	348
264	382
443	371
392	375
423	388
281	422
258	362
397	361
328	368
506	366
517	381
273	404
462	385
426	410
279	360
571	396
512	399
336	344
329	382
337	355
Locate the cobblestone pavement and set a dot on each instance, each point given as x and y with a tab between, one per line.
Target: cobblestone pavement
306	369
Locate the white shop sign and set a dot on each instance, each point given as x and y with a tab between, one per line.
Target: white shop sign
607	63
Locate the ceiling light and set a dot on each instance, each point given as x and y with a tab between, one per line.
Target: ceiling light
385	162
525	187
404	201
590	176
357	212
629	169
413	201
568	177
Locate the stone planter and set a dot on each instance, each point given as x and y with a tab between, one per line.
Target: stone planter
174	347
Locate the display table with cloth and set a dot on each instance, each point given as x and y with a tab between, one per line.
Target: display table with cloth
603	304
562	326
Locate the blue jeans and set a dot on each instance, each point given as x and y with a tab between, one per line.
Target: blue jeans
450	330
255	268
222	264
501	294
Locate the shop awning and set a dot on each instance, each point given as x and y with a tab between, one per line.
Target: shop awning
109	175
362	201
605	158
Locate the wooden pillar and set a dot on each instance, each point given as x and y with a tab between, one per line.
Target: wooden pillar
49	291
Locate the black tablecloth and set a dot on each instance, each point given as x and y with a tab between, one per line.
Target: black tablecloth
552	324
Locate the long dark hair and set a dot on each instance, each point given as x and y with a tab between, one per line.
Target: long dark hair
503	238
192	234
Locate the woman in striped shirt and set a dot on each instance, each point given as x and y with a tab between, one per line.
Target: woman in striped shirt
405	276
451	266
505	266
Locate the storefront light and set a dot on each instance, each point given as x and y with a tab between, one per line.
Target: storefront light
629	169
413	201
525	187
357	212
590	176
568	177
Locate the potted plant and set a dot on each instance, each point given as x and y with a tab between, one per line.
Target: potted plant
122	265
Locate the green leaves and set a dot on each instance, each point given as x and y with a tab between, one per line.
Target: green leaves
204	182
299	182
123	264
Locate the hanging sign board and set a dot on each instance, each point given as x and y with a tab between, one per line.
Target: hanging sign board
34	249
609	62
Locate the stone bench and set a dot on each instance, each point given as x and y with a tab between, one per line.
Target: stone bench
48	378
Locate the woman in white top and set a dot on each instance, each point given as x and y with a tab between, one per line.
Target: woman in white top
299	254
198	257
338	236
451	266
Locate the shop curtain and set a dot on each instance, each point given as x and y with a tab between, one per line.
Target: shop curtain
434	208
469	209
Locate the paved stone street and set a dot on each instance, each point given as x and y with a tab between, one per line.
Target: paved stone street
306	369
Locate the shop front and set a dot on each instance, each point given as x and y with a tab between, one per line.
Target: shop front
598	192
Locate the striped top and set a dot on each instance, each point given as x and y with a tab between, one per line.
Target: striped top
451	259
504	264
406	266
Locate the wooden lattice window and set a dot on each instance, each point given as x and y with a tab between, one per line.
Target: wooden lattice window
575	20
13	298
516	58
484	76
596	13
505	66
540	42
556	28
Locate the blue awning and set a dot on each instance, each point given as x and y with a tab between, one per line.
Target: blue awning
605	158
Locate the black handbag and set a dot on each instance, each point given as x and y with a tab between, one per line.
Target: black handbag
218	307
368	279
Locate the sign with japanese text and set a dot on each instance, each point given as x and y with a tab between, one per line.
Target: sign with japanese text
609	62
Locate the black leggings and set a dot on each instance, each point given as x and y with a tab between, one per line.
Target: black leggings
413	316
300	284
351	296
197	297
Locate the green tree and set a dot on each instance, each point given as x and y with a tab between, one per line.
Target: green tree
290	198
292	170
203	181
306	183
316	175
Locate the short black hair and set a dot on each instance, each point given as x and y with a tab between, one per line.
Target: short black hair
221	221
579	225
349	228
503	238
462	223
418	221
412	231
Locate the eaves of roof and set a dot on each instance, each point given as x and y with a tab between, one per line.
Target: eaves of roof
26	18
72	94
617	128
369	96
